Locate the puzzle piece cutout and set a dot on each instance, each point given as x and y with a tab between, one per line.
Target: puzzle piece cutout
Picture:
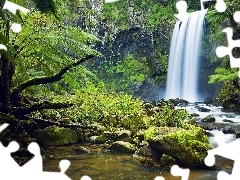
222	51
236	16
15	27
182	10
177	171
220	6
34	167
228	150
110	1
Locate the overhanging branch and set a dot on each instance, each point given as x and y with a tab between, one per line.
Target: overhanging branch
44	80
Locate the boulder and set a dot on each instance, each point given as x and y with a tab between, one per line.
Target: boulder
146	151
187	147
124	135
105	136
97	127
228	130
209	118
195	115
121	146
202	109
178	101
53	136
227	120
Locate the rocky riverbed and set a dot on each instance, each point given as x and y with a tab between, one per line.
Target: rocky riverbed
150	151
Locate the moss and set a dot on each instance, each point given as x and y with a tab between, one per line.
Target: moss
149	133
190	146
153	131
167	160
54	135
187	147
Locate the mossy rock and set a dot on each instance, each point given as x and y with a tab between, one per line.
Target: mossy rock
53	136
105	136
121	146
187	147
124	135
167	161
209	118
98	127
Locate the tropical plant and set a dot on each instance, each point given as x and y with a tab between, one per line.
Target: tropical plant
41	54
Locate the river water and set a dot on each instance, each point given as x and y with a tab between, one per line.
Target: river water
103	164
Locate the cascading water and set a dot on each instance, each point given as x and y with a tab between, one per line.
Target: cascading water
183	66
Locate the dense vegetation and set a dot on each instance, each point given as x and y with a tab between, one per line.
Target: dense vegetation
45	71
52	71
229	94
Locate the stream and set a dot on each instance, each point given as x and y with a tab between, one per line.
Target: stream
103	164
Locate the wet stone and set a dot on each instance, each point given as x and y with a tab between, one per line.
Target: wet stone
227	120
209	118
228	130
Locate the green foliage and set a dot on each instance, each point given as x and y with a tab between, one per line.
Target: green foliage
125	75
46	46
229	94
116	110
169	116
94	105
150	133
223	75
219	21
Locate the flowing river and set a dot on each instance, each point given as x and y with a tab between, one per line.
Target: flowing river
103	164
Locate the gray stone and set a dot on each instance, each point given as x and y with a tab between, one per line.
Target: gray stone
228	130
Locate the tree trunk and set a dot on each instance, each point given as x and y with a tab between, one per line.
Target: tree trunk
5	83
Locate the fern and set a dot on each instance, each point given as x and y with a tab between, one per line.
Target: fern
223	75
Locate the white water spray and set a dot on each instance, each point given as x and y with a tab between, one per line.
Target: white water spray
183	67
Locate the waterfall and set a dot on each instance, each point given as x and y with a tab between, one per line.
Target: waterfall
183	64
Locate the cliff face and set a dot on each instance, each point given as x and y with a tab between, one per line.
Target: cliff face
142	29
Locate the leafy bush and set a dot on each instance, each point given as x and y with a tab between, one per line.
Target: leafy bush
116	110
170	117
126	75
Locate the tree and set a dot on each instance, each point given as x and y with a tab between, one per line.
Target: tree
46	48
